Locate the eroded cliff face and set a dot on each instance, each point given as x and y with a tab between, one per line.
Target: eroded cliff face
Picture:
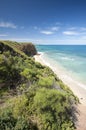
17	49
29	99
11	54
29	49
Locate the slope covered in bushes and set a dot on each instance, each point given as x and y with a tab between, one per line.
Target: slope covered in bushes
29	99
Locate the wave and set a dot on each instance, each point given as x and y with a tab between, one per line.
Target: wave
40	53
67	58
63	73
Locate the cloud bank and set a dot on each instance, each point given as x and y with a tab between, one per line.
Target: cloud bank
46	32
3	35
70	33
7	25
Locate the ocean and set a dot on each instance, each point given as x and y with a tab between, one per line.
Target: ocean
70	59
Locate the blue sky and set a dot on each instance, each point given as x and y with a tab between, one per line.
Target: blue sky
43	21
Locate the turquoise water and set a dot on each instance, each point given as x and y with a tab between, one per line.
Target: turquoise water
72	58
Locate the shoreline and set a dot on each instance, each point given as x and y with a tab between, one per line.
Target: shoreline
80	92
76	87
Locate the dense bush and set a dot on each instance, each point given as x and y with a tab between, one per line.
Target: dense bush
14	115
44	109
9	70
41	101
53	109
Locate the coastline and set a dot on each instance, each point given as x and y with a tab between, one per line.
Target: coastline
76	87
78	90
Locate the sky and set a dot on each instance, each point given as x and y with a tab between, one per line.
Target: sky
43	21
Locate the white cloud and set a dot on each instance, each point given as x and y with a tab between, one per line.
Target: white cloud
3	35
55	28
50	41
83	29
34	41
64	42
72	28
7	25
46	32
70	33
83	37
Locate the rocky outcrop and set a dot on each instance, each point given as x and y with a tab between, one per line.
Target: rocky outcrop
29	49
19	49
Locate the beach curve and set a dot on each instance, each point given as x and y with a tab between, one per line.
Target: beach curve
77	89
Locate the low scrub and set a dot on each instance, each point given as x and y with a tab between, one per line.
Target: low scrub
32	96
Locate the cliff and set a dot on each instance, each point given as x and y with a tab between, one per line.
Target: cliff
32	97
29	49
16	48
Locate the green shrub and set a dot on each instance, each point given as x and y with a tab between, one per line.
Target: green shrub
14	116
46	82
35	104
53	108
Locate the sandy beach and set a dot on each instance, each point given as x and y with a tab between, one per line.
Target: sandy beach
77	89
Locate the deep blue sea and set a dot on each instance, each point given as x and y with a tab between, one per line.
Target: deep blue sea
71	58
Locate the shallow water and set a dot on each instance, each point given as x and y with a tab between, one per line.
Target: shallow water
70	58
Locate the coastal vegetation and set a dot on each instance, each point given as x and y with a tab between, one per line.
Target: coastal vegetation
32	97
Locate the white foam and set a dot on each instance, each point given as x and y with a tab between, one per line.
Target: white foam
78	88
41	53
64	74
67	58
